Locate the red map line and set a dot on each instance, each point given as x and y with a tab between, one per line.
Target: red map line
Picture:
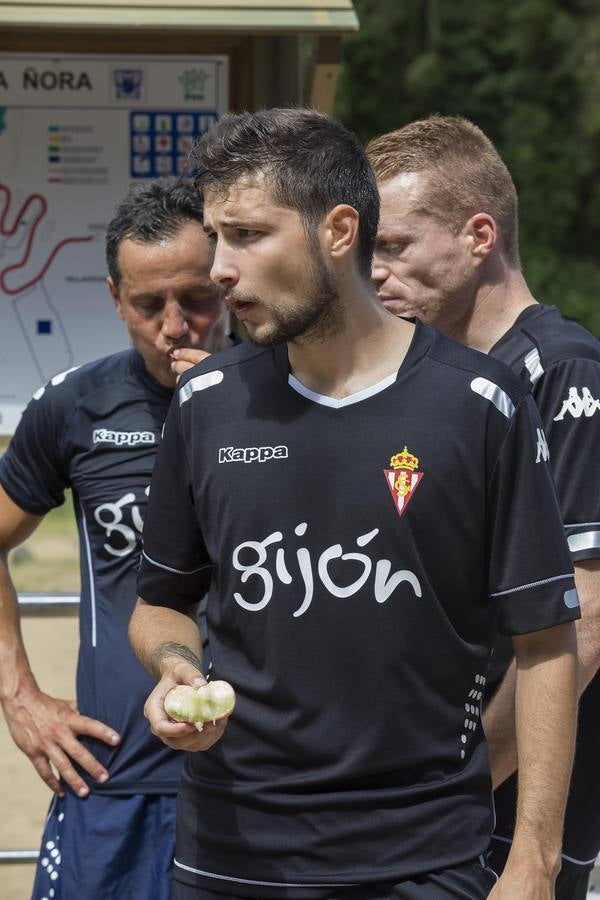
9	232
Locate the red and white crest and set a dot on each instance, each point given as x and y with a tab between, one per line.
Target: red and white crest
403	478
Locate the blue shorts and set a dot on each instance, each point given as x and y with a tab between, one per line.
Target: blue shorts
107	848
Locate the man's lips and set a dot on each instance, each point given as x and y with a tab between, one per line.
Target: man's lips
392	302
242	309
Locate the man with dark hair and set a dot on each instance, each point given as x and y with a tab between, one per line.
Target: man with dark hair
95	429
447	251
357	494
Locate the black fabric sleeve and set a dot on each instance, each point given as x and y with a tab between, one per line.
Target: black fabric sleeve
34	470
175	569
568	397
531	573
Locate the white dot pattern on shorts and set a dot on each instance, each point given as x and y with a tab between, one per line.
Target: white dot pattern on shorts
51	862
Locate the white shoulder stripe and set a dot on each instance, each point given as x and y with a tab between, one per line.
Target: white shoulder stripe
533	365
199	383
495	395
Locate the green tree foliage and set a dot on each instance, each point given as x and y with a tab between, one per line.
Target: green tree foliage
527	72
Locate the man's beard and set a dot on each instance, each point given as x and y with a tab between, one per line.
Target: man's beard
318	316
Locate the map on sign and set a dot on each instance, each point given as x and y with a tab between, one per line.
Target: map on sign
75	133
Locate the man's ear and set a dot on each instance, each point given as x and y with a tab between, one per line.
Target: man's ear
116	298
340	229
482	233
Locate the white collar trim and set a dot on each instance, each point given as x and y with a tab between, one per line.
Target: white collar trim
333	402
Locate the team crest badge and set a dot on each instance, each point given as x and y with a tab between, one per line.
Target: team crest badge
403	478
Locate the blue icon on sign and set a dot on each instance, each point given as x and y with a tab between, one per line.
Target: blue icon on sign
128	84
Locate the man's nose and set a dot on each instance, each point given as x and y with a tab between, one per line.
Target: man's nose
379	271
223	271
175	324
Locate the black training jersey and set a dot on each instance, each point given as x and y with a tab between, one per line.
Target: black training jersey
96	430
357	553
560	360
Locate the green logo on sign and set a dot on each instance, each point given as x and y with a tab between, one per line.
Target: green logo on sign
193	82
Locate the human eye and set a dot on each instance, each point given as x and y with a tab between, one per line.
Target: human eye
147	305
393	248
244	234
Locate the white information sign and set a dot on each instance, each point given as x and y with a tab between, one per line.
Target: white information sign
75	132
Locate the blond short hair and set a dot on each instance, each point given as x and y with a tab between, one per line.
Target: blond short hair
466	174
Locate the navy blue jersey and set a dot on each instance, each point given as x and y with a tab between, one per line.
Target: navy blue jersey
96	430
357	553
560	361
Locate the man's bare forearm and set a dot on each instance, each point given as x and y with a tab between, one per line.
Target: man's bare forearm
587	580
546	713
15	671
499	717
172	648
159	634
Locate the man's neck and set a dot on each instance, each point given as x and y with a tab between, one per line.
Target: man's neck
496	307
370	346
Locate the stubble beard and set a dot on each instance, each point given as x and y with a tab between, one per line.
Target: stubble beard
319	316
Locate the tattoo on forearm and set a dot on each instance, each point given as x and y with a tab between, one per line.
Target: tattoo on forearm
171	648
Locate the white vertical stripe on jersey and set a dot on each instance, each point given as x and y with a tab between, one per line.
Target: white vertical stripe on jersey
88	555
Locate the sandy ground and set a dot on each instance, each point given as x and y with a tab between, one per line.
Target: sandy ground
52	648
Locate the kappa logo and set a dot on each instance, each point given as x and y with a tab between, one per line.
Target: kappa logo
403	478
578	406
543	452
123	438
252	454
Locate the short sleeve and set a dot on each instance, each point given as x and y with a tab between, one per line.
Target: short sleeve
531	573
34	471
568	398
175	569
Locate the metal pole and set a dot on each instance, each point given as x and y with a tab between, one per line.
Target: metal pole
18	856
36	604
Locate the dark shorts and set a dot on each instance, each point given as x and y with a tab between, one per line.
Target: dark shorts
107	848
571	884
470	881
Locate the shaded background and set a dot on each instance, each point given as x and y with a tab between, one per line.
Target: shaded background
528	73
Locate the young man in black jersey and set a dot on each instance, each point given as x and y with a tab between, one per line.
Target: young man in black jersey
447	251
361	498
95	429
